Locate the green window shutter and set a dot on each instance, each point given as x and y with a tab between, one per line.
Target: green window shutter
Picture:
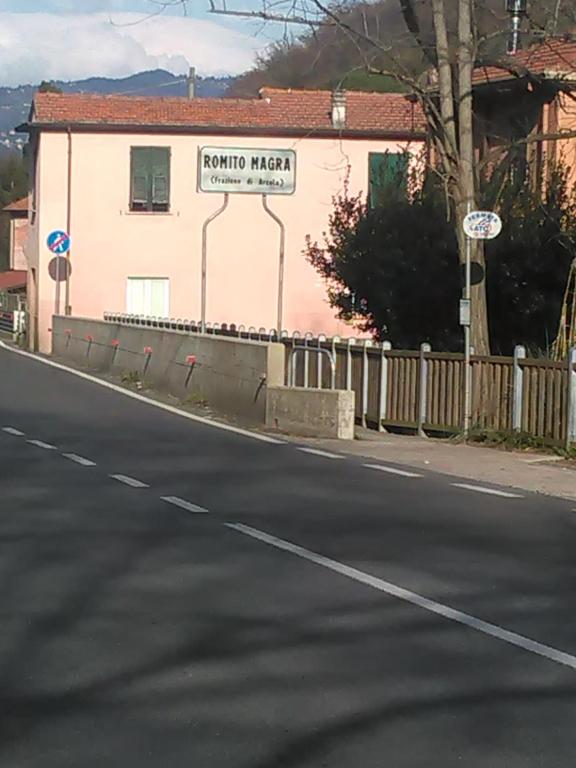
139	181
150	179
160	172
388	173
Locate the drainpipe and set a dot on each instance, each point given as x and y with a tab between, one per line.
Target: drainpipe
67	308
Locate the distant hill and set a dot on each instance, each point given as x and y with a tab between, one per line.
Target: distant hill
15	102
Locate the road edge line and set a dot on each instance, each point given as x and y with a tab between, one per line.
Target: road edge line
143	399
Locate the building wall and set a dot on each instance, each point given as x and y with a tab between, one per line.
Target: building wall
111	244
18	241
566	121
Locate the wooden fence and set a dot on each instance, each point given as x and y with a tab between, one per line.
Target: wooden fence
422	390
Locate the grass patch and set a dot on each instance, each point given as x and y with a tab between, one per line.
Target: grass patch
513	440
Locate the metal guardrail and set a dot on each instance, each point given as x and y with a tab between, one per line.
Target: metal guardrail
420	390
12	314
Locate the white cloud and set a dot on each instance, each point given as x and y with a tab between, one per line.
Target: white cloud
45	46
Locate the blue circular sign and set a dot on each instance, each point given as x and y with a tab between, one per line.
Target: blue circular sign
59	242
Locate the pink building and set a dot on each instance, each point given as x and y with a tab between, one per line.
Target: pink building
14	279
122	176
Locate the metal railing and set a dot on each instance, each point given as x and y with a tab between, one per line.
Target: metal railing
419	390
13	314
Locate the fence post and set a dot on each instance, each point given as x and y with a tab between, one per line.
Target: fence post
423	388
350	344
517	388
320	361
335	341
365	382
307	338
571	399
383	402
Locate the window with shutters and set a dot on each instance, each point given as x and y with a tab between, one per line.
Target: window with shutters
388	175
150	179
148	296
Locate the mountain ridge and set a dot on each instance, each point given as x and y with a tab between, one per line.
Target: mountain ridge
15	101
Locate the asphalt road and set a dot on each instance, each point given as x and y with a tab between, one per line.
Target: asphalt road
176	595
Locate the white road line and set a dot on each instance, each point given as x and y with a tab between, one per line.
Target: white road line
12	431
525	643
143	399
131	481
392	470
79	460
490	491
544	460
183	504
324	454
40	444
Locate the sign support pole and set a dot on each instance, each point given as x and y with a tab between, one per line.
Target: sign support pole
477	225
467	355
278	220
57	298
205	258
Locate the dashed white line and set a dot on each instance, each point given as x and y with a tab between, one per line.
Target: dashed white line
79	460
323	454
183	504
131	481
13	431
490	491
485	627
41	444
392	470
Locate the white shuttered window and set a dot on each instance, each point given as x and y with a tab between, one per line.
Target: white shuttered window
148	296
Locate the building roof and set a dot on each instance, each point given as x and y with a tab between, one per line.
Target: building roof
551	59
276	111
14	278
19	206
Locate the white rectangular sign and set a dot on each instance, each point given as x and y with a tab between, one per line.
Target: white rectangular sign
248	171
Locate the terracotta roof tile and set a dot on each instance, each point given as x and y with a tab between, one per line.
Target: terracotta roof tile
556	56
13	279
292	110
19	205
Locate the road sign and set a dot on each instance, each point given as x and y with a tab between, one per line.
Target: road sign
247	171
482	225
59	242
465	312
59	269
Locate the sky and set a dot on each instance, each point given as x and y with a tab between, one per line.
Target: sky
75	39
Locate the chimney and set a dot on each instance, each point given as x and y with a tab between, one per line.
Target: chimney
338	109
192	83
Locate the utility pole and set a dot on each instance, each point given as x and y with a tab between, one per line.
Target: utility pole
192	83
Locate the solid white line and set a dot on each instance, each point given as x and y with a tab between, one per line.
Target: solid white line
184	504
490	491
392	470
132	482
40	444
79	460
12	431
324	454
144	399
559	657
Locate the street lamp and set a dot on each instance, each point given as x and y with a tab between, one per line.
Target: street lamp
517	9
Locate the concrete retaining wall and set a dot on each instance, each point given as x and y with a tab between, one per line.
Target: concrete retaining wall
311	412
231	375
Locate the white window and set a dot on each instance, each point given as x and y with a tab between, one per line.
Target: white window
148	296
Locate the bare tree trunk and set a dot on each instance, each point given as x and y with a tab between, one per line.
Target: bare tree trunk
466	199
445	78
